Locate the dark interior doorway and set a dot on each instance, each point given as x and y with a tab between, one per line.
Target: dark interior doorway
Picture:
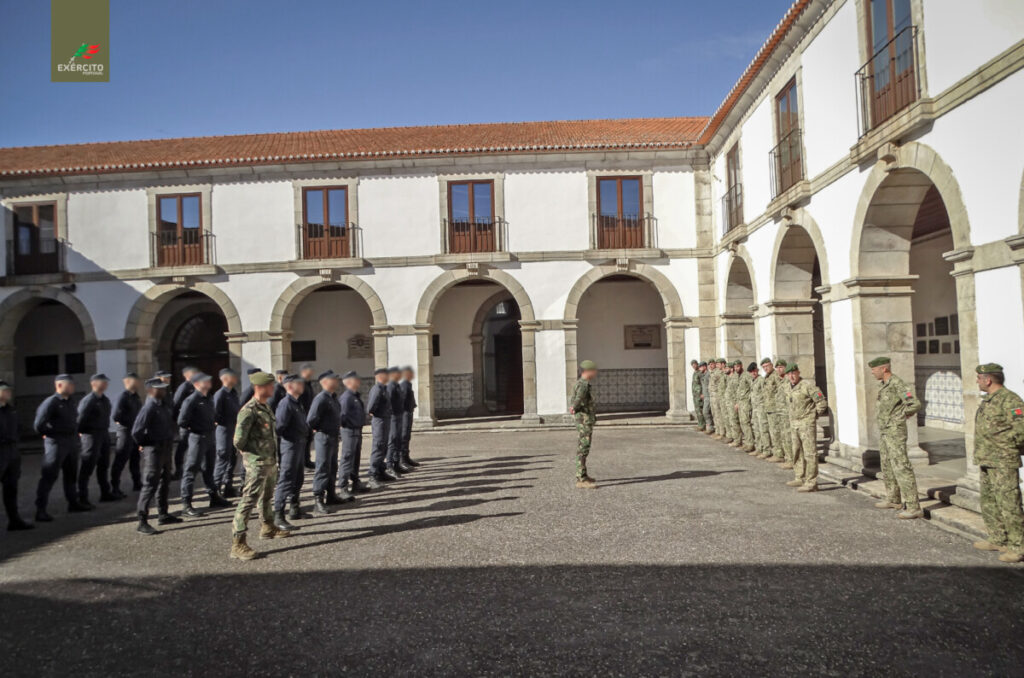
200	341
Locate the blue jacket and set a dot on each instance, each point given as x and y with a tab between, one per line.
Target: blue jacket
8	424
128	405
291	420
225	408
94	414
378	403
279	395
56	416
325	413
154	425
397	399
196	414
410	396
184	390
353	413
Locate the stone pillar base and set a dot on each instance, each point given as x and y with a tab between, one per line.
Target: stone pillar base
918	456
847	456
531	419
423	423
968	494
678	416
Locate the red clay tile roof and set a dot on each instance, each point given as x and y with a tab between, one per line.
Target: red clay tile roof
389	142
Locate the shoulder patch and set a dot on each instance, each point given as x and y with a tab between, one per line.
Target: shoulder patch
1017	413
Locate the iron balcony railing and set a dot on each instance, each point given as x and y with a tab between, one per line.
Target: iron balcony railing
53	258
629	231
189	248
321	241
732	208
787	163
479	234
889	82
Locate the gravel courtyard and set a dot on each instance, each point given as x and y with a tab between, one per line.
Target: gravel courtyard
690	559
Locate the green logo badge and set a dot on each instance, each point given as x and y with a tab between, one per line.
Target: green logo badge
79	41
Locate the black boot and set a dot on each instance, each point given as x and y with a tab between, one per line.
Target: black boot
167	519
391	473
144	526
16	524
402	468
281	523
190	512
217	501
333	499
408	461
78	507
42	516
359	486
310	465
320	506
229	491
295	511
344	496
376	483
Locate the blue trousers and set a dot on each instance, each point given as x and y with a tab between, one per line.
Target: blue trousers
227	457
60	455
293	467
126	453
200	458
351	452
94	456
380	427
396	438
406	433
326	446
10	472
180	449
156	476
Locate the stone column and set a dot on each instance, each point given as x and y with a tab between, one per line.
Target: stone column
830	364
740	339
793	322
424	373
676	355
139	356
528	329
478	408
380	343
968	487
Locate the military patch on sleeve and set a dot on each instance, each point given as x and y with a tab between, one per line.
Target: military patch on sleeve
1017	413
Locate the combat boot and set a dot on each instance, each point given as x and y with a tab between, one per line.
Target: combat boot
410	462
344	496
241	550
774	460
358	486
794	483
402	468
294	512
887	505
144	526
808	488
980	545
191	512
271	531
229	491
16	524
751	451
332	498
1010	557
586	483
375	483
281	523
787	465
907	514
392	470
320	506
217	501
764	455
43	517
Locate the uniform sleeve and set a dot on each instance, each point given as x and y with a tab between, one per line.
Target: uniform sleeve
140	424
84	409
185	413
371	402
282	415
218	406
579	392
1015	415
313	416
820	403
242	428
42	420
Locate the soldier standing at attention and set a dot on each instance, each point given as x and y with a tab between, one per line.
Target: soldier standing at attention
57	421
721	418
695	389
806	402
762	428
247	393
225	414
395	436
741	394
998	438
716	422
293	432
324	420
10	459
184	390
126	452
94	434
379	407
896	404
582	407
153	430
306	400
732	380
353	419
409	395
784	442
705	395
198	422
256	441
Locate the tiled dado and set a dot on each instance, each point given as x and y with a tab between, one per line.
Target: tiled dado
636	389
453	394
941	392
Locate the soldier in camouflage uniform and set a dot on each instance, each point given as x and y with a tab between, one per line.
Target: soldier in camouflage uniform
695	391
705	394
732	419
714	381
784	441
759	396
741	405
896	404
256	442
581	406
998	439
806	402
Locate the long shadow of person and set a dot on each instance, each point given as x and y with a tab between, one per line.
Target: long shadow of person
675	475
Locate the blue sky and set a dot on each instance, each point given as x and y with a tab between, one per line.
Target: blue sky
191	67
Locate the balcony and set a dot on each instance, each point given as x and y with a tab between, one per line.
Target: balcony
50	256
626	232
475	236
190	247
732	208
889	82
334	241
786	163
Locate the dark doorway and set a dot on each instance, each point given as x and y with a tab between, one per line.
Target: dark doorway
200	341
503	359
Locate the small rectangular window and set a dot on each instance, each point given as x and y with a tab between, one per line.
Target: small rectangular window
74	363
303	351
435	345
42	365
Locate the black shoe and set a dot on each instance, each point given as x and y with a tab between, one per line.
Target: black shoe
359	486
108	497
217	501
16	524
295	512
190	512
387	477
145	528
310	466
410	463
78	507
43	517
393	470
376	483
85	504
229	492
344	496
118	495
282	524
403	468
167	519
136	487
320	507
176	475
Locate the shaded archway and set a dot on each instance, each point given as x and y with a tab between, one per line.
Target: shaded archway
737	316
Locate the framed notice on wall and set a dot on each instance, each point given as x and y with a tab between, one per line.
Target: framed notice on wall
360	346
643	336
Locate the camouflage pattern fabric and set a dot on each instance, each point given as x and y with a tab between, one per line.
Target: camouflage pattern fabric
762	429
256	440
583	408
732	419
896	402
698	403
714	381
258	490
744	410
705	385
998	437
775	410
806	402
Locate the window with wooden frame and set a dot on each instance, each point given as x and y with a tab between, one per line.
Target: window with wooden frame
471	223
326	232
180	240
889	80
732	202
787	156
36	246
620	218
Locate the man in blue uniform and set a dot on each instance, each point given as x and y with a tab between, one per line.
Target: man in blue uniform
409	396
10	459
94	436
378	405
324	420
153	430
396	424
306	400
293	432
279	392
126	452
57	421
353	418
197	420
249	390
184	390
225	413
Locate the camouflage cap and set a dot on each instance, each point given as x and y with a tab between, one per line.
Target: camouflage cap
793	368
261	379
779	362
766	361
879	361
989	368
588	365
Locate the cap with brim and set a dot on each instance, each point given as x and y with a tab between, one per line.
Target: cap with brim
793	368
351	374
261	379
329	374
4	386
280	372
99	376
291	378
766	361
131	375
227	372
63	377
380	370
253	370
879	361
989	368
156	382
588	365
200	376
407	368
163	374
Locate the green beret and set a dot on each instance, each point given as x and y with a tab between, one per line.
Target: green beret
588	365
988	368
792	368
879	361
766	361
737	363
780	361
261	379
719	360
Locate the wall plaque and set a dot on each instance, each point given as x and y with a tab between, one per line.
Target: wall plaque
360	346
643	336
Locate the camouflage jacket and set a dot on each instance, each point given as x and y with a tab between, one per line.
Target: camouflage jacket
695	387
714	379
743	389
999	429
896	402
776	393
705	385
757	393
255	434
731	382
806	401
582	400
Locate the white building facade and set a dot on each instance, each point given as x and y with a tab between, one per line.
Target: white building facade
860	192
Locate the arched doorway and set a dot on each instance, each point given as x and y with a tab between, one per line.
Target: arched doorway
191	329
501	340
737	318
799	323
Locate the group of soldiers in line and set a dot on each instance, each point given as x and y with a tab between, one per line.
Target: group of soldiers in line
201	433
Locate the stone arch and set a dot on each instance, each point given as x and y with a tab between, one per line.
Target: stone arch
675	324
293	295
17	305
139	328
737	317
801	225
423	331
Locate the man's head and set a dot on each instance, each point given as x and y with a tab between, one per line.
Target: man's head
63	384
281	374
881	368
722	364
408	374
6	393
99	383
990	377
328	381
294	385
380	375
793	373
351	380
156	387
752	368
306	371
188	371
588	369
262	386
228	378
737	366
394	374
694	364
766	365
702	367
781	366
202	381
131	382
164	376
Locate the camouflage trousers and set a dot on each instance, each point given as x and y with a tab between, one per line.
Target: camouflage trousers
781	436
708	417
805	450
716	415
1001	507
743	415
260	481
732	421
585	431
698	410
898	474
762	431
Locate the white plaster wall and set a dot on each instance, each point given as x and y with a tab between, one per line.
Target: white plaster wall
682	273
254	296
1000	329
833	209
766	338
453	321
757	138
548	284
109	302
959	37
108	230
400	215
551	386
254	354
760	246
605	310
402	351
254	222
331	318
674	209
843	393
547	211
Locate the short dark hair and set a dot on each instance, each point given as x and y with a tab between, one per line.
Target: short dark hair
997	377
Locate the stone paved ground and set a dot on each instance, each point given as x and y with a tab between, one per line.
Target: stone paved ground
691	559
